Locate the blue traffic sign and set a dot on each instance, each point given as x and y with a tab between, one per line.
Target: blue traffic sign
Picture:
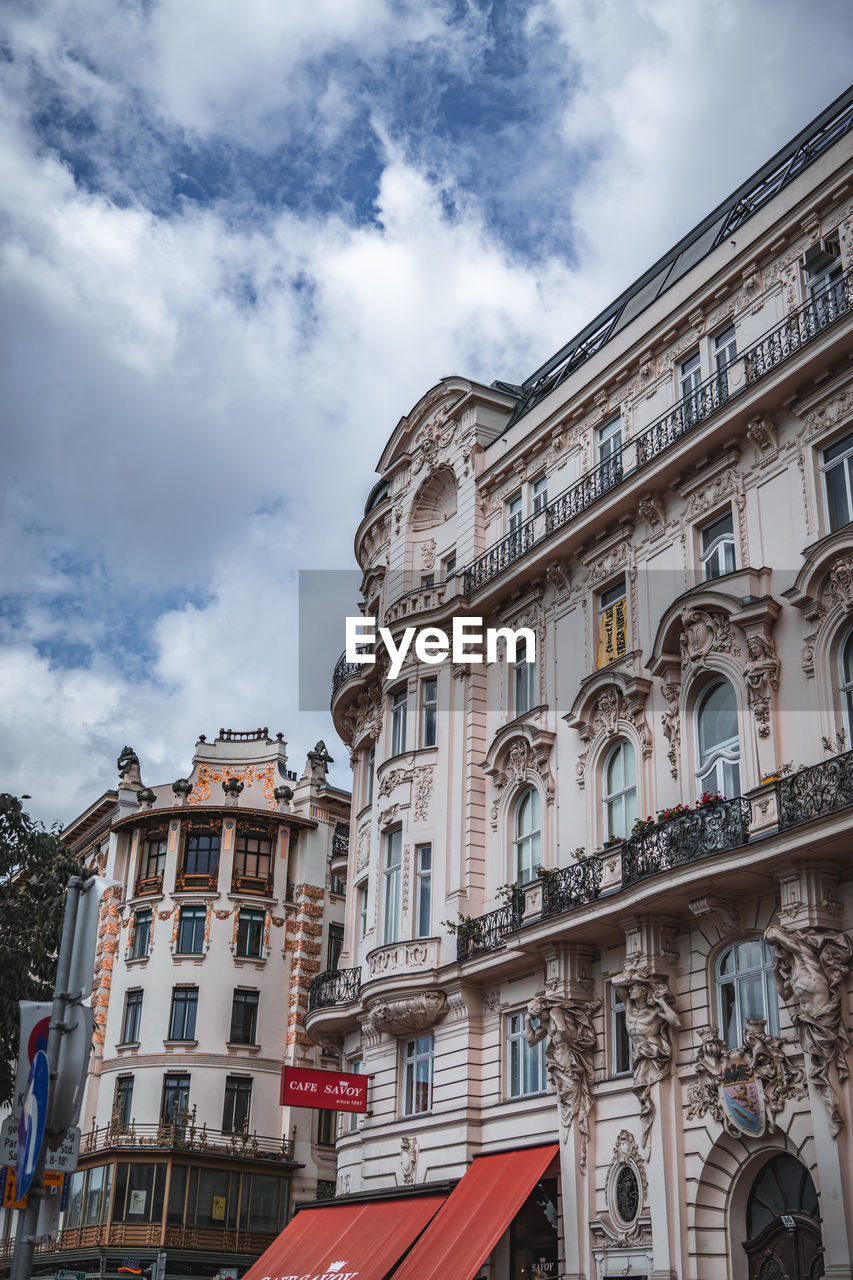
33	1119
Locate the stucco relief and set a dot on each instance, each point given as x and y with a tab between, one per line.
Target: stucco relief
618	557
423	777
703	633
652	510
569	1057
649	1017
428	554
401	957
558	574
671	720
409	1015
611	709
763	435
828	414
621	1223
408	1158
393	779
839	586
758	1073
761	674
431	440
519	759
362	857
810	967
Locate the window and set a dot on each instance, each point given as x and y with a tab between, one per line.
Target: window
719	747
176	1097
398	721
335	945
620	1041
717	547
823	267
191	929
141	943
123	1102
370	770
253	855
612	624
610	453
184	1009
238	1100
513	514
524	684
847	684
326	1128
746	989
391	897
351	1118
689	379
362	909
427	581
250	933
132	1017
449	566
837	467
725	353
429	711
528	836
526	1064
417	1076
244	1017
540	494
620	791
154	858
423	890
201	854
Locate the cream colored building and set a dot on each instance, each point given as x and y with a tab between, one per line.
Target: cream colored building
667	505
226	908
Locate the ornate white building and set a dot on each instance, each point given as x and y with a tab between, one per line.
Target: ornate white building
226	908
641	839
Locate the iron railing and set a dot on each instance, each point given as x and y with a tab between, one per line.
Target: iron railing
334	986
184	1134
340	842
571	886
698	833
723	386
486	933
343	670
813	792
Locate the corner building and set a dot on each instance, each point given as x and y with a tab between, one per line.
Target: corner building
225	908
628	1053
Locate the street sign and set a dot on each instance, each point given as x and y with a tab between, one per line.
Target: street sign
33	1119
34	1023
10	1199
75	1048
64	1158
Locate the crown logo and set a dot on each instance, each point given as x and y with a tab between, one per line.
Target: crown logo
336	1266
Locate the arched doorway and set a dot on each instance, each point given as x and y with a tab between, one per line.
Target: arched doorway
783	1223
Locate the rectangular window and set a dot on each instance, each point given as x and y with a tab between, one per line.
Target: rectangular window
523	684
184	1009
837	465
717	547
540	494
370	770
238	1100
326	1128
123	1102
250	933
335	945
391	896
513	514
362	910
253	856
399	701
244	1018
176	1097
725	353
429	711
417	1076
132	1017
423	890
526	1064
689	378
449	566
152	864
620	1043
141	943
610	453
427	581
191	930
351	1120
612	624
201	855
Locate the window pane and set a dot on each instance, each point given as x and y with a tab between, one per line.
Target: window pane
717	720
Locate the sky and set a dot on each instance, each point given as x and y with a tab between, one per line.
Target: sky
239	240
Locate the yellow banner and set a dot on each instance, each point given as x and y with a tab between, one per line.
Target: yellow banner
612	633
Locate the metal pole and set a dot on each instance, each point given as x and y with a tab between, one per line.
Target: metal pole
25	1236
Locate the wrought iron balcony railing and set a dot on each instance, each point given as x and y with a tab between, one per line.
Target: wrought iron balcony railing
343	670
335	986
486	933
571	886
698	833
340	842
184	1134
813	792
723	386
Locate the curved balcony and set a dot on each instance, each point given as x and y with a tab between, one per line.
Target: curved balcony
570	887
345	670
334	987
820	789
420	600
687	837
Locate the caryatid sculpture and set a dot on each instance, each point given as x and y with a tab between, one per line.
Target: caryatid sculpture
809	967
649	1016
569	1055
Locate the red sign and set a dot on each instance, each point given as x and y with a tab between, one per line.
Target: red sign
327	1090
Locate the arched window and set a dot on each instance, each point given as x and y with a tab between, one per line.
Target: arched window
746	989
528	835
717	741
620	790
846	686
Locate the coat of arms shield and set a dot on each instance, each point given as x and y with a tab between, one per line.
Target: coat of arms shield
742	1097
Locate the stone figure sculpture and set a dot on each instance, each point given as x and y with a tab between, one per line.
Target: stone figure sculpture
649	1015
809	968
569	1056
319	761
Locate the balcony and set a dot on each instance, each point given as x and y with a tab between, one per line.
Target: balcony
148	884
335	986
340	842
688	837
196	880
478	936
263	886
782	342
185	1135
570	887
822	788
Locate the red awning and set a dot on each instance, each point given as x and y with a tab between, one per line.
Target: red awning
346	1241
475	1215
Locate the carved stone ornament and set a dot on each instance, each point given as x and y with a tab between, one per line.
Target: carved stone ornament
569	1057
428	554
761	674
710	495
408	1158
652	510
824	418
362	857
558	574
839	586
649	1017
409	1015
810	968
612	706
343	1184
393	779
627	1191
423	791
743	1089
431	439
760	431
703	633
671	721
722	913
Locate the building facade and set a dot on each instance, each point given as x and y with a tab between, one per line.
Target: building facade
224	910
599	902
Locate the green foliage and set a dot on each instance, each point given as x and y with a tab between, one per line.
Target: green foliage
34	869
